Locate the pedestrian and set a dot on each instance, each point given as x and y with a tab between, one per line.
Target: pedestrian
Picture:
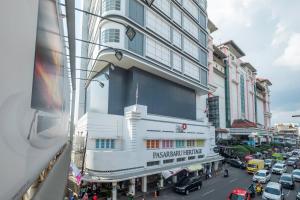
95	197
85	196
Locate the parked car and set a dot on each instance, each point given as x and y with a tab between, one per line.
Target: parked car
287	181
269	163
279	168
273	191
292	161
237	163
298	195
188	184
239	193
296	174
262	176
285	156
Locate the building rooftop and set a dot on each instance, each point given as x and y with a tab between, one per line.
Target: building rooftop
243	123
211	26
249	66
264	80
218	52
234	48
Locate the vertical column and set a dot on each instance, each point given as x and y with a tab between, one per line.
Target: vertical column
216	166
161	182
144	184
132	186
114	191
174	179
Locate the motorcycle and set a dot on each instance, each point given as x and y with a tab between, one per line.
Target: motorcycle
226	173
258	189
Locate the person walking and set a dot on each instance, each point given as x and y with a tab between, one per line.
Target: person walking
85	196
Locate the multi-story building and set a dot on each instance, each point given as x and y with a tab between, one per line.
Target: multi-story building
286	133
147	118
239	105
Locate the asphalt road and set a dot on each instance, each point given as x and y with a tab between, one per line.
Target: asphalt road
218	188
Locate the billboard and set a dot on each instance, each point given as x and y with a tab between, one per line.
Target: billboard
35	93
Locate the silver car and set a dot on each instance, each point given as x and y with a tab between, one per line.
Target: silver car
296	174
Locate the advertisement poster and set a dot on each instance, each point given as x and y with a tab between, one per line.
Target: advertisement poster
35	95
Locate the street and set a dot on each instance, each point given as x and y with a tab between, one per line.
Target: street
218	188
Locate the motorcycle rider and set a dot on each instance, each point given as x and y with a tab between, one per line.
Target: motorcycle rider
258	187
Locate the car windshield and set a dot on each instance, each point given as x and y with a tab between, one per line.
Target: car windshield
252	165
236	197
292	159
286	178
183	182
296	173
272	191
268	161
278	166
260	174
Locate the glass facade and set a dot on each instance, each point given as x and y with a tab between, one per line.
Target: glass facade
242	88
137	44
213	111
108	5
136	12
105	144
110	35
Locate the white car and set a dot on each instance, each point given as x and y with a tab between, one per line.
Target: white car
273	191
262	176
279	168
296	174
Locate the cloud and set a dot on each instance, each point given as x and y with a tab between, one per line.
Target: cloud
283	116
290	56
281	35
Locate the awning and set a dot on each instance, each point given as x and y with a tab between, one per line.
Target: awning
195	167
168	173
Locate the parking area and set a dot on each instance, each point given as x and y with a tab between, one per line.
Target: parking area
218	188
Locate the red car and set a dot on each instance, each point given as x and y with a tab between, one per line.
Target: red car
239	194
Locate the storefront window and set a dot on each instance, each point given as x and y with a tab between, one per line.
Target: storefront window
152	144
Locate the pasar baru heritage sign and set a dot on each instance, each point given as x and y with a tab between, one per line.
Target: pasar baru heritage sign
171	154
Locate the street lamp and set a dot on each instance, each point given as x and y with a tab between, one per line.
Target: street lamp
130	32
295	115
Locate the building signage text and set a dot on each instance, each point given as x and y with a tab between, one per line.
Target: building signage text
171	154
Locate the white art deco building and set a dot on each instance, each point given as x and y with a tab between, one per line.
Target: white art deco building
148	118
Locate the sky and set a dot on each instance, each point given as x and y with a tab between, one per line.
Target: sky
268	31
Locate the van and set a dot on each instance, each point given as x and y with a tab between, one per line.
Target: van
254	165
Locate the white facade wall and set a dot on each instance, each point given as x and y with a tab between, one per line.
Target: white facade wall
260	112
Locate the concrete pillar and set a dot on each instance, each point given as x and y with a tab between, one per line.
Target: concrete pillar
216	166
132	186
144	184
174	179
114	191
161	182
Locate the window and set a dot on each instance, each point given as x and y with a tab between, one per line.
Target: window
213	111
137	44
157	51
202	20
176	15
168	161
177	64
105	143
190	27
191	157
152	163
203	3
108	5
180	144
158	25
110	35
190	143
136	12
200	143
166	144
180	159
191	7
176	38
202	38
152	144
163	5
191	48
203	77
191	70
201	156
242	88
203	58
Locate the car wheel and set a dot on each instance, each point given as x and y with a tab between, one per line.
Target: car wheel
187	192
199	187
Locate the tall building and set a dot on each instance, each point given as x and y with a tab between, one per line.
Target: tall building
238	102
147	118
